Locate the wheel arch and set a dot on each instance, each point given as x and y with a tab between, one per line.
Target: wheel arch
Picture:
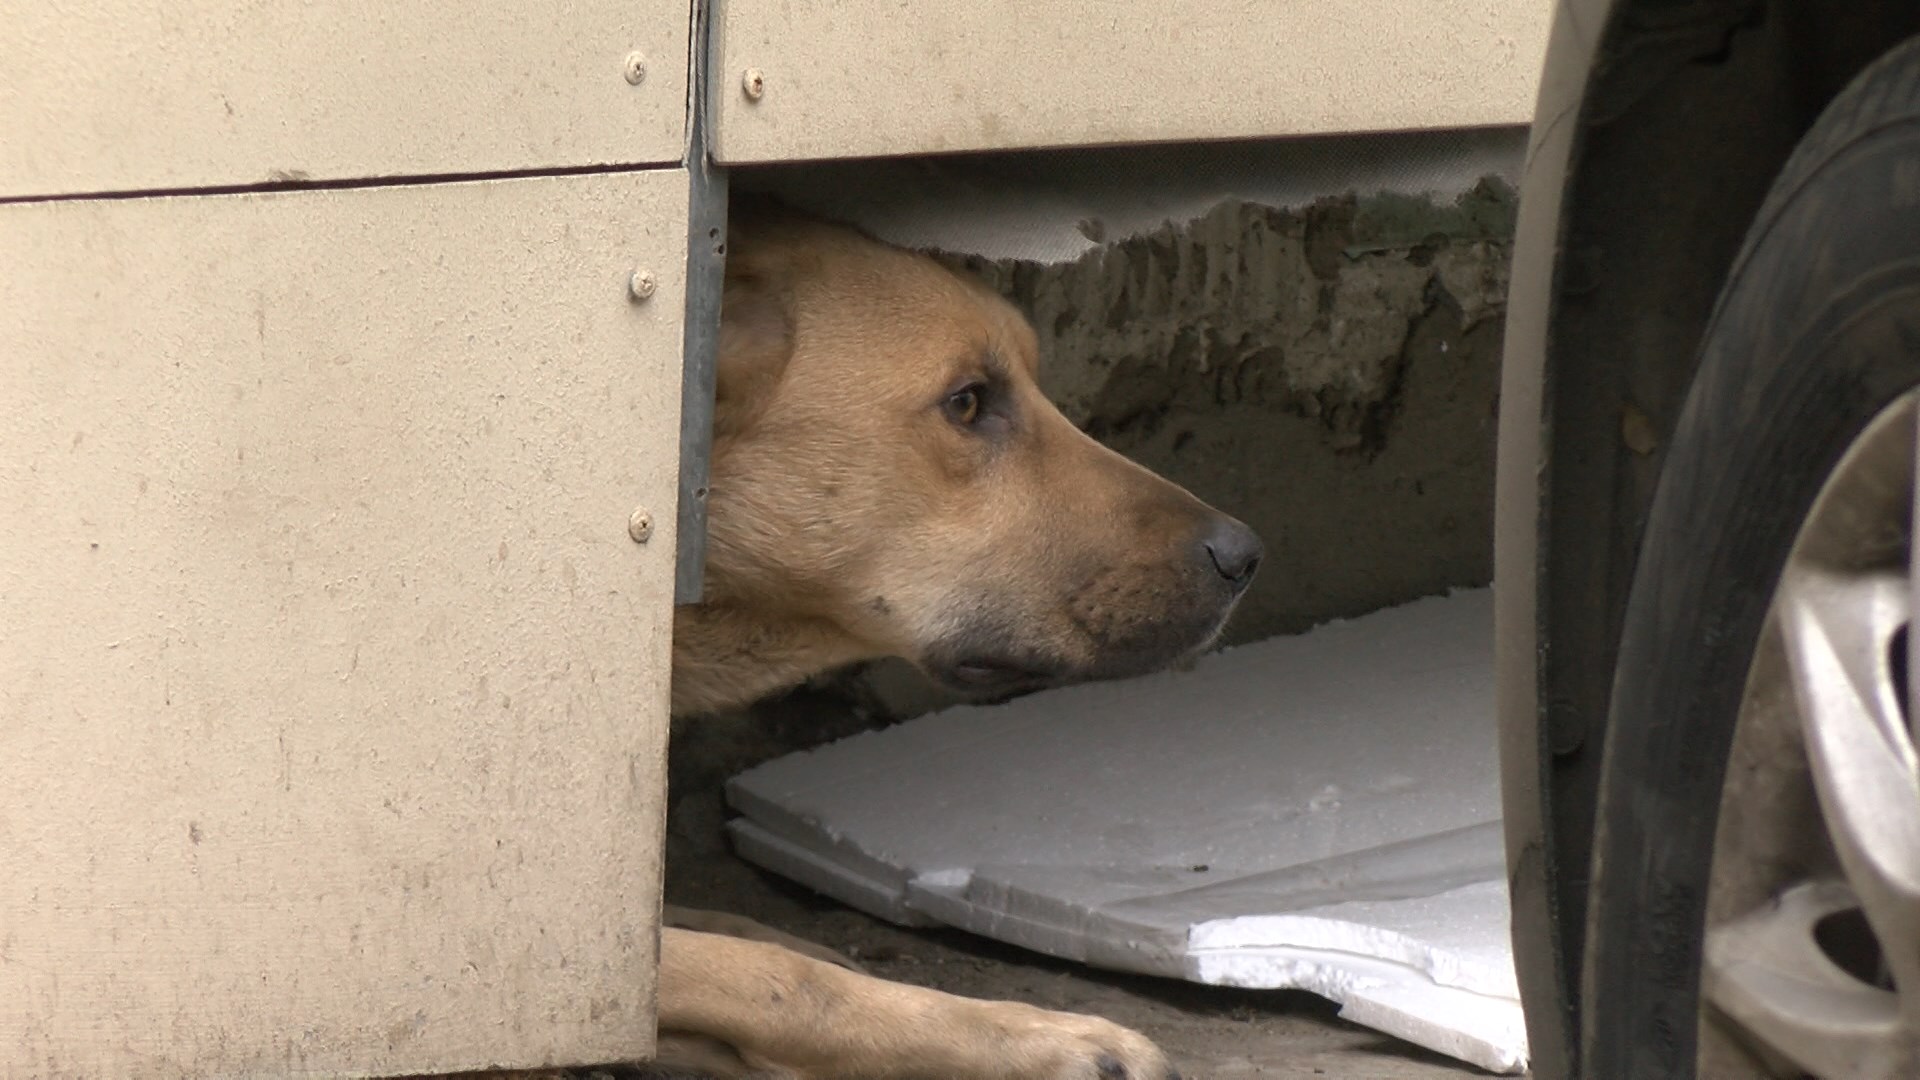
1659	128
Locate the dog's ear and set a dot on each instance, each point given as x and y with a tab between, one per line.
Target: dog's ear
756	333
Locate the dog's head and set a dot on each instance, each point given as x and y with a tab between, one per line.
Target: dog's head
885	462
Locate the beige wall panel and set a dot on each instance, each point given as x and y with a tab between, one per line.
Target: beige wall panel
333	691
852	78
120	95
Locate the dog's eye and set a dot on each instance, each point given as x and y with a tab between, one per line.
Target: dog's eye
963	406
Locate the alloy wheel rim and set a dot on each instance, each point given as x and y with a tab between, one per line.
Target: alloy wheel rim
1811	962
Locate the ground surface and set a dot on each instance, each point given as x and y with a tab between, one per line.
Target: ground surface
1211	1032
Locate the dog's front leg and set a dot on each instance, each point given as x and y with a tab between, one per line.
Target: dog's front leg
787	1013
716	922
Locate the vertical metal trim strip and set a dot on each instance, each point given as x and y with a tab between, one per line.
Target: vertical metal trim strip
706	275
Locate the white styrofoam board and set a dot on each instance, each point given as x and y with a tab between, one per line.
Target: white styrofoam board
1319	812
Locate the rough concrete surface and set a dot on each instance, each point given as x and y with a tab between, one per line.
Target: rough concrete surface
1328	374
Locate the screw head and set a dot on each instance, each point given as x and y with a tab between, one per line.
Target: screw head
636	68
640	526
642	284
754	84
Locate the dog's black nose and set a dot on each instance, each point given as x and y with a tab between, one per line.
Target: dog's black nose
1234	549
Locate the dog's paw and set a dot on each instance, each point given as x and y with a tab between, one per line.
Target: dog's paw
1045	1045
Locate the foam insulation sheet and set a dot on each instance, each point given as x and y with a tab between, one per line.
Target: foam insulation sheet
1319	812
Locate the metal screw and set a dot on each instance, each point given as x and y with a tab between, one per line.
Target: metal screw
640	526
636	69
754	84
642	284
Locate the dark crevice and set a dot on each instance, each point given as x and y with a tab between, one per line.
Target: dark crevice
1897	661
292	180
1848	941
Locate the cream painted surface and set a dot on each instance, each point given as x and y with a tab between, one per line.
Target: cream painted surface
854	78
334	690
117	95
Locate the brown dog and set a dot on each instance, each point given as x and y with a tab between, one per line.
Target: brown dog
888	480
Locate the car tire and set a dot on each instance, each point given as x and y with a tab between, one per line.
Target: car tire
1817	330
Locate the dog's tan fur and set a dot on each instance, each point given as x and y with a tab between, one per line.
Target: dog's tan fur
888	480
